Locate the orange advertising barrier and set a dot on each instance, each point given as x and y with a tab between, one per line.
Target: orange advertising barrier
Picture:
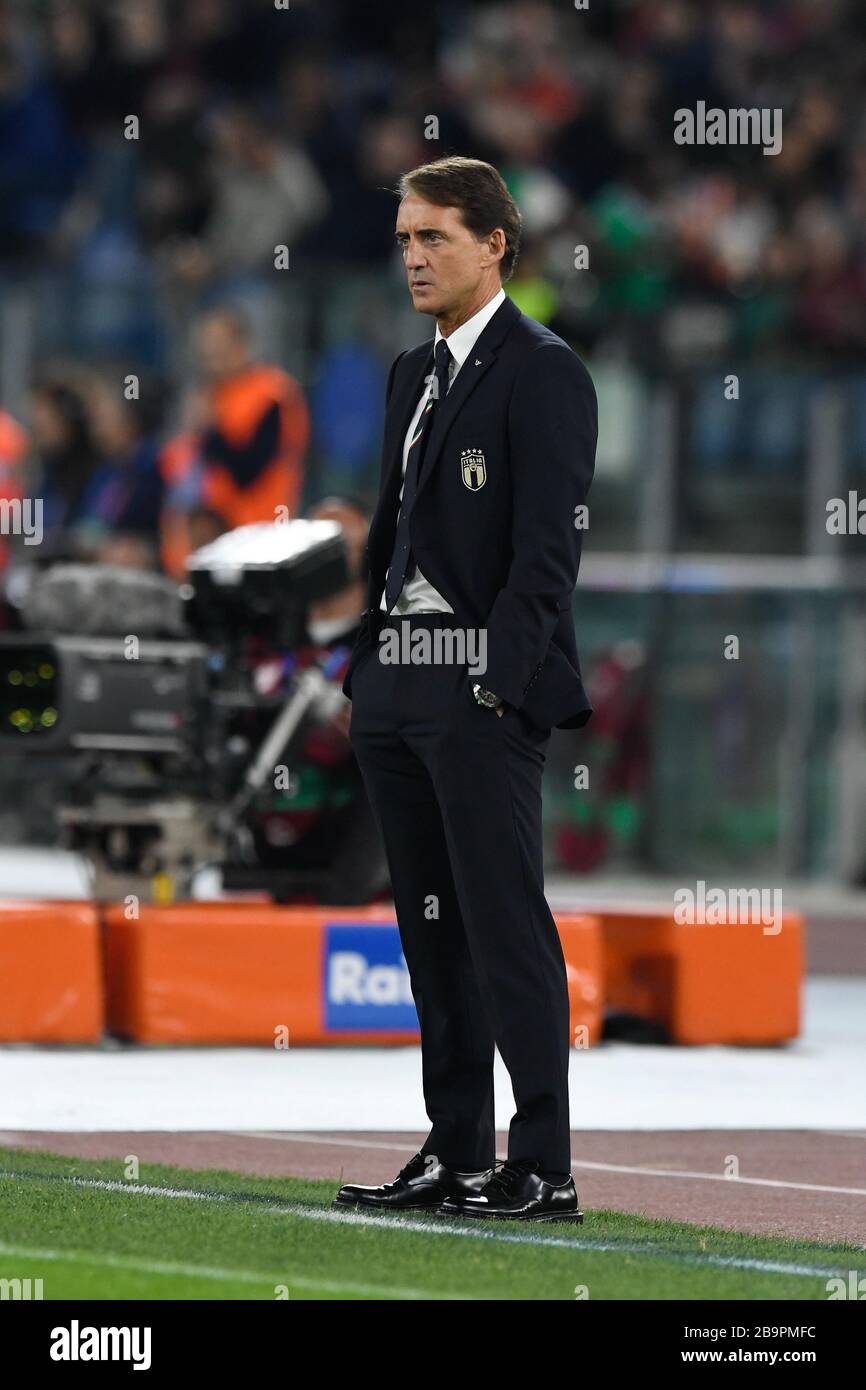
261	973
583	948
253	972
728	982
50	972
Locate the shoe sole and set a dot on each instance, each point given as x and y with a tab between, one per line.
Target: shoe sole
574	1216
375	1206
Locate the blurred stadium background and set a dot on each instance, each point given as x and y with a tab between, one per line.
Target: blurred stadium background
195	197
259	128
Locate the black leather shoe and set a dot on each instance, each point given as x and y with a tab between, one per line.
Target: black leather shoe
421	1185
517	1193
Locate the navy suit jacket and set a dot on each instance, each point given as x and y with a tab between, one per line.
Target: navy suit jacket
510	459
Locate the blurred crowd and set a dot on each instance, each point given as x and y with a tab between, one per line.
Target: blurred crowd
260	126
154	154
116	483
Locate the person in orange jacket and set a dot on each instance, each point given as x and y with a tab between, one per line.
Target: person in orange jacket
13	449
255	427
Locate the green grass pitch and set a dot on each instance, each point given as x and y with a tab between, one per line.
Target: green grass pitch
87	1233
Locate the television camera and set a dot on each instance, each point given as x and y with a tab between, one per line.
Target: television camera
163	711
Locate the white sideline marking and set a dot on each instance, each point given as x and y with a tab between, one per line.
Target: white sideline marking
440	1227
576	1163
246	1276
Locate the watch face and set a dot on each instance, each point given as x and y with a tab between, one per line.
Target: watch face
485	697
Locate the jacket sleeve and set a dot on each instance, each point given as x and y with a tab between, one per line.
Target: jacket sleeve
552	430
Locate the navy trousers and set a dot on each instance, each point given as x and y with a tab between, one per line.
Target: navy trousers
456	793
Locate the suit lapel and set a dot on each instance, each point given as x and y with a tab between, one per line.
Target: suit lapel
401	415
473	369
481	357
478	362
397	421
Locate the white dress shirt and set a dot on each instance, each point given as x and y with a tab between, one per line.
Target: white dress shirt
417	595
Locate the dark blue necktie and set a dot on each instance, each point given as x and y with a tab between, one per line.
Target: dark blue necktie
402	561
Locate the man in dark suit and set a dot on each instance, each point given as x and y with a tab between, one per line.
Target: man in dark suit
465	662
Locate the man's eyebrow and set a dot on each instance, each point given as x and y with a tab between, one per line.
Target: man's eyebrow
423	231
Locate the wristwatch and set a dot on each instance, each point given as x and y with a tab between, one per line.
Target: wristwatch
486	697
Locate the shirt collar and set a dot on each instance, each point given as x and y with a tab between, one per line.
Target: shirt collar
462	340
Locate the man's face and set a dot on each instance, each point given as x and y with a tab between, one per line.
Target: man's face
445	264
221	351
